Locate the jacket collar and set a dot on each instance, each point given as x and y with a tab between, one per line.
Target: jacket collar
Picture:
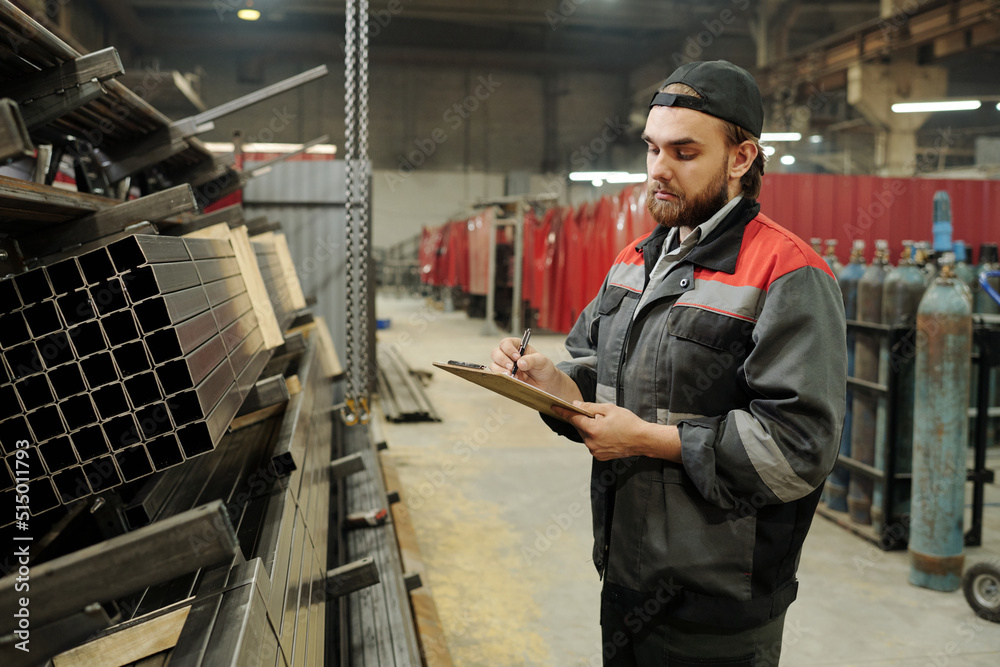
718	252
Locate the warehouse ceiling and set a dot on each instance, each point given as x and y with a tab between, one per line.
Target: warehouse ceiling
795	47
602	35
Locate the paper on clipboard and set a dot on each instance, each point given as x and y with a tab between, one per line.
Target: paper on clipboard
512	388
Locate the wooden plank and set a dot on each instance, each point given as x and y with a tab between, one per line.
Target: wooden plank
26	201
113	220
430	632
99	65
288	266
247	259
132	644
329	360
14	139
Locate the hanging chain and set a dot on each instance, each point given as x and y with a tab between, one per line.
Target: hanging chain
356	156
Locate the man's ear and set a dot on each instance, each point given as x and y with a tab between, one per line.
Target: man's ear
741	158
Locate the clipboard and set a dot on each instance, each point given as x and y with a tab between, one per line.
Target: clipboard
512	388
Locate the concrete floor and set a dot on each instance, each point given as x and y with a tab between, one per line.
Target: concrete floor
501	513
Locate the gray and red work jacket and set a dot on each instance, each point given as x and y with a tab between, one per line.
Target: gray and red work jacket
743	347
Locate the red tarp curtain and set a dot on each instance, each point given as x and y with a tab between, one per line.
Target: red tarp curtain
568	251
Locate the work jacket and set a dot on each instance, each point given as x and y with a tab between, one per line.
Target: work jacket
742	346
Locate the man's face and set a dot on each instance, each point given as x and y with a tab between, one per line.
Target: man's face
687	164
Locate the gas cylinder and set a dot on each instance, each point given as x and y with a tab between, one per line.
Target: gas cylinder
926	260
964	270
836	488
940	432
984	303
831	257
901	294
941	227
868	408
817	245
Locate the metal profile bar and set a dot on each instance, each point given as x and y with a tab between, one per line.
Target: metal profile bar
134	251
207	248
229	311
185	373
99	65
198	403
212	270
158	279
124	565
15	142
163	311
286	455
260	95
266	392
44	110
236	332
159	145
203	436
174	342
241	357
253	370
87	339
266	166
147	503
224	290
230	215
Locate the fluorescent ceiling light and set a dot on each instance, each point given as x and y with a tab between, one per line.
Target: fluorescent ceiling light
816	139
609	176
924	107
998	106
229	147
780	136
248	14
787	159
769	150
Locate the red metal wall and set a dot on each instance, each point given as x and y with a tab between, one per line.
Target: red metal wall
869	208
569	250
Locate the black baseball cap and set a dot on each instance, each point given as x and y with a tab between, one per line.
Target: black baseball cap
727	92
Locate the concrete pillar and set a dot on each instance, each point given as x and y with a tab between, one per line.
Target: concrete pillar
872	89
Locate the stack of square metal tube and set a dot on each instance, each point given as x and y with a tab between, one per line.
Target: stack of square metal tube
124	361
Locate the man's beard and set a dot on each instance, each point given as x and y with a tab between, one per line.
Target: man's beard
689	211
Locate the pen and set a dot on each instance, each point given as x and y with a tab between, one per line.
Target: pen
520	352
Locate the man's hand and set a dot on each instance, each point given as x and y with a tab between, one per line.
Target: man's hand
533	368
617	433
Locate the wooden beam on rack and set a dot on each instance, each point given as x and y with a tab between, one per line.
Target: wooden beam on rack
98	66
14	139
151	208
46	109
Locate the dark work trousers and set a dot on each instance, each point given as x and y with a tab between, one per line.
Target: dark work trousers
632	637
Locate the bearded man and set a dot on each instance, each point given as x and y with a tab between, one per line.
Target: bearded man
714	360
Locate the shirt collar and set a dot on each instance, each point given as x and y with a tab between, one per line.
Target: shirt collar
705	229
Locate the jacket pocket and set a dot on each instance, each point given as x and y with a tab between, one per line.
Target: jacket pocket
699	546
716	330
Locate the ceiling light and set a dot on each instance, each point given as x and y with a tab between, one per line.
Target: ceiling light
609	176
787	159
598	182
780	136
954	105
769	150
816	139
998	106
248	14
